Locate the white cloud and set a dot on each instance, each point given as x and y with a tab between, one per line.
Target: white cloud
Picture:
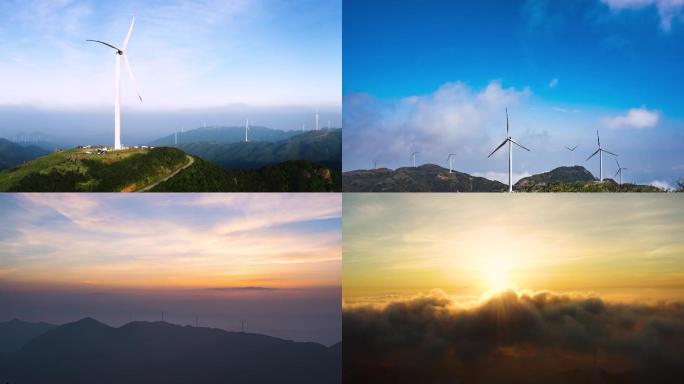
455	117
634	118
667	9
553	83
661	184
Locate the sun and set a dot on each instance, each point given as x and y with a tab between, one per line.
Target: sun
496	275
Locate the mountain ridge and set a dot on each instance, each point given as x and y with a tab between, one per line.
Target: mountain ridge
434	178
142	352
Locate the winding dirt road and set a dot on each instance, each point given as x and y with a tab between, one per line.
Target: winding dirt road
191	160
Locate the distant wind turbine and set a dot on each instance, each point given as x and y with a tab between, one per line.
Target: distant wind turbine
413	157
318	127
117	103
247	129
450	159
572	151
619	171
510	141
600	152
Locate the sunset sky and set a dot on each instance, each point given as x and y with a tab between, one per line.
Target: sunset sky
625	248
271	258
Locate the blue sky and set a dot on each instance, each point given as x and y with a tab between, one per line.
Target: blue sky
564	69
186	56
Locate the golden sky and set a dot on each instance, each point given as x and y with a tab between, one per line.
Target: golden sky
620	246
171	240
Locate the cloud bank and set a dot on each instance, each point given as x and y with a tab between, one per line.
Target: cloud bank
454	116
563	336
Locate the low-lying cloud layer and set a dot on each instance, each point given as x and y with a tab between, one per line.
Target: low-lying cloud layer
559	337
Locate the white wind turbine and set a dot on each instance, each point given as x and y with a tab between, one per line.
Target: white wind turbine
510	142
247	129
117	103
619	171
572	151
318	126
413	157
600	152
450	159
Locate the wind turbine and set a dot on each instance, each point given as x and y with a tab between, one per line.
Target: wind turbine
413	157
318	127
572	150
117	103
510	142
619	171
450	159
247	129
600	152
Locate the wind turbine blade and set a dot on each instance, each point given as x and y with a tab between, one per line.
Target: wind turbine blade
519	145
497	148
609	152
617	162
568	148
128	36
130	72
573	148
102	42
616	173
592	155
598	139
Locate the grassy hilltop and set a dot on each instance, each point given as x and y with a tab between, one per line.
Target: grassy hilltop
75	170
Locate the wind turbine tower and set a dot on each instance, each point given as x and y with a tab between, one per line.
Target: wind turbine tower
247	130
175	138
600	153
450	159
318	127
413	158
619	171
510	141
572	151
120	52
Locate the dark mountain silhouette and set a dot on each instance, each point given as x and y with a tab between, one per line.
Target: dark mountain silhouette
559	175
15	333
88	351
425	178
321	147
13	154
575	179
224	135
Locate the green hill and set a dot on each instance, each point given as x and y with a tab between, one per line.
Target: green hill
159	169
425	178
575	179
77	170
322	147
433	178
13	154
608	185
290	176
567	175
